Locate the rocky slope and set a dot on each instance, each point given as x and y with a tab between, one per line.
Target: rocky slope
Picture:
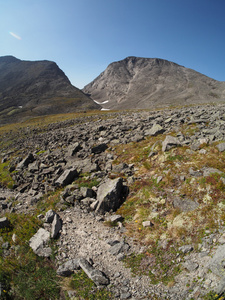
139	83
171	227
34	88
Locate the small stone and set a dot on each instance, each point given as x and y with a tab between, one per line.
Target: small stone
147	224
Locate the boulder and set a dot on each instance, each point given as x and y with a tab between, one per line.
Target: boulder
155	130
110	195
39	241
170	142
73	149
95	275
118	248
67	177
49	216
68	267
25	162
99	148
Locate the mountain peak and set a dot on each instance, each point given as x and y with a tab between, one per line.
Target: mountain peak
140	83
34	88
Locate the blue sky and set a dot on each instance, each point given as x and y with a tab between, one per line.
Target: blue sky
84	36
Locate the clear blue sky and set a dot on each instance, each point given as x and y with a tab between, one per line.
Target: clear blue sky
84	36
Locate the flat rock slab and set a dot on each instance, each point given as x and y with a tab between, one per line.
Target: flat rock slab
217	263
185	204
38	242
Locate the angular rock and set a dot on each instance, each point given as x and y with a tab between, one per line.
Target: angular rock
38	242
110	195
49	216
87	192
120	247
87	201
116	218
67	177
25	162
95	275
68	267
56	226
73	149
170	142
155	130
4	222
99	148
94	205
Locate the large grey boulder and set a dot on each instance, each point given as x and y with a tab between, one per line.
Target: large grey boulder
170	142
39	241
95	275
110	195
68	267
67	177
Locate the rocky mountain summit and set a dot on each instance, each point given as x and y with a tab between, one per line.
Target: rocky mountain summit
140	83
133	199
34	88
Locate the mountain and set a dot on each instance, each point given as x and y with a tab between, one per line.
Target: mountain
139	83
34	88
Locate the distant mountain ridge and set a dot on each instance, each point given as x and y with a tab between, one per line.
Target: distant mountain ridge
34	88
140	83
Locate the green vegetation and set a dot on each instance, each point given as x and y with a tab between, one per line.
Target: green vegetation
5	176
85	288
23	274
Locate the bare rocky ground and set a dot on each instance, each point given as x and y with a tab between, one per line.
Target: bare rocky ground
44	160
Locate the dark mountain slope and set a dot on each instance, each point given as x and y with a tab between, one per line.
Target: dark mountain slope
150	82
30	88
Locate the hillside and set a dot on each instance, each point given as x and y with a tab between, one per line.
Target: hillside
140	83
114	205
34	88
